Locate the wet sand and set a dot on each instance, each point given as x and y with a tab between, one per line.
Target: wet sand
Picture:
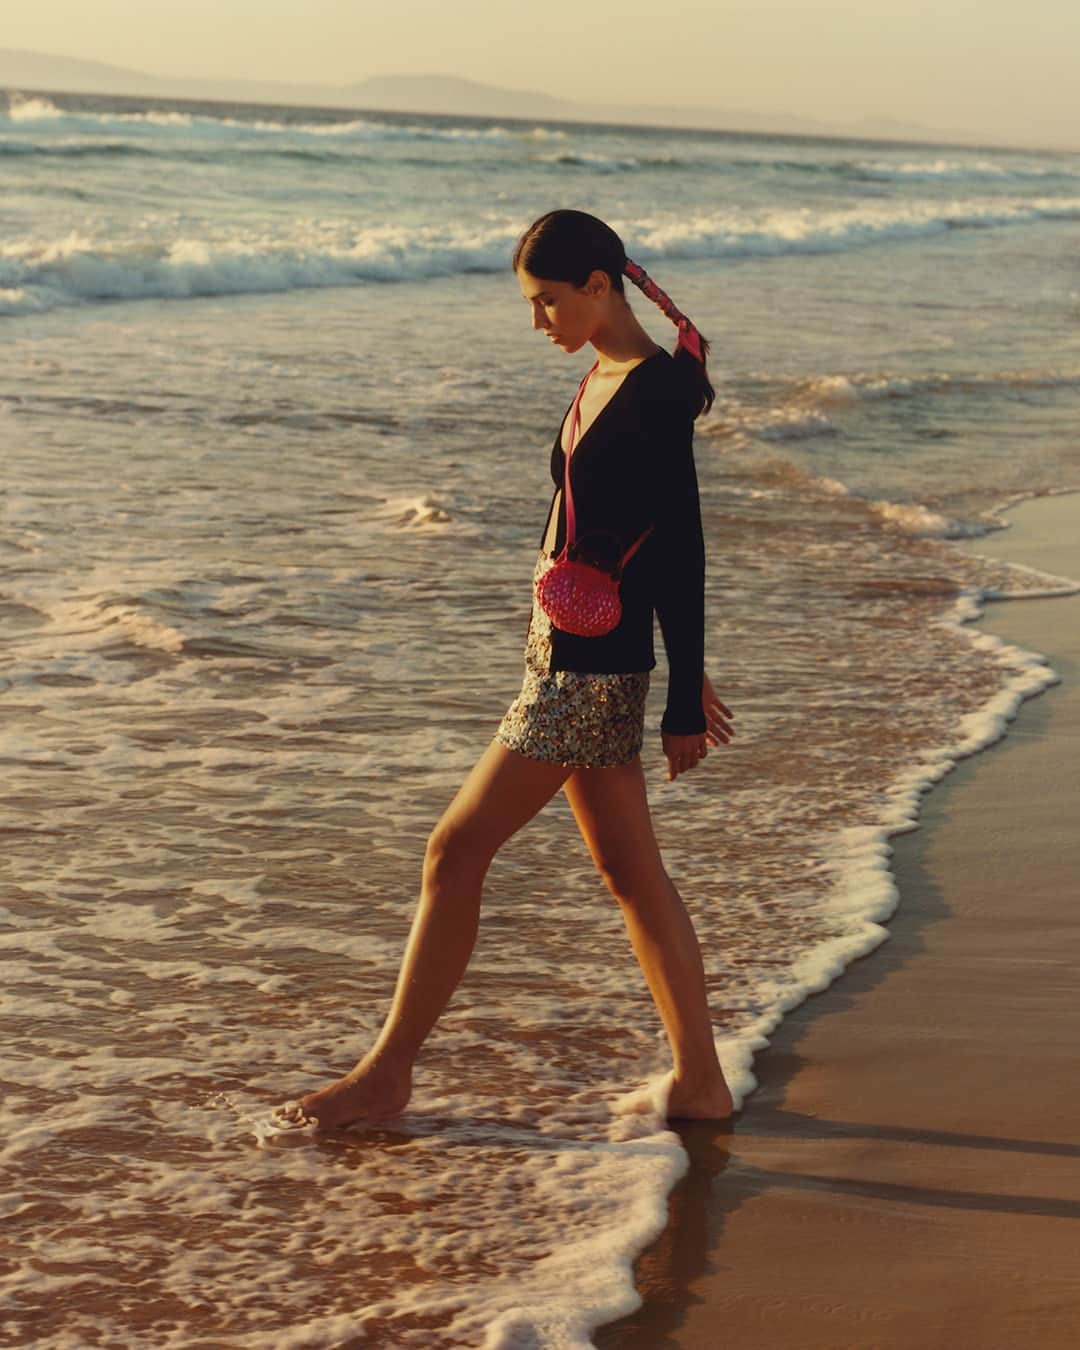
907	1174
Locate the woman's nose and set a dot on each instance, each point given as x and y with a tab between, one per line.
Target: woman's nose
538	320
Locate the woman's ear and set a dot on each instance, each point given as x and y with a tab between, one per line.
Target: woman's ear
598	284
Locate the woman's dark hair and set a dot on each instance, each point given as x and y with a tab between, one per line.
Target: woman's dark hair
569	246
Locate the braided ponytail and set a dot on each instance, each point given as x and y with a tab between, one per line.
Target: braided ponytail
566	245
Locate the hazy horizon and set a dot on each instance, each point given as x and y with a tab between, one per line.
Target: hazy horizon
978	69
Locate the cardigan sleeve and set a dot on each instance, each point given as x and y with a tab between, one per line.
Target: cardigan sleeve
679	560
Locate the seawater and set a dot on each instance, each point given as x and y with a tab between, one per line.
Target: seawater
275	435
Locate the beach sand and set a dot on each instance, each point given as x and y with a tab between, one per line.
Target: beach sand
907	1175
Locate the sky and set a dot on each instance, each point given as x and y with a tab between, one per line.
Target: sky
986	66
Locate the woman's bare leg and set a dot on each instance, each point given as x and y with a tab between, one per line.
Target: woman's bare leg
612	812
503	791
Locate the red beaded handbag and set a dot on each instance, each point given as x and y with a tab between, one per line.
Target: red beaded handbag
578	596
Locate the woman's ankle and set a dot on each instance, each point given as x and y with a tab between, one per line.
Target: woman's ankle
384	1065
705	1096
698	1077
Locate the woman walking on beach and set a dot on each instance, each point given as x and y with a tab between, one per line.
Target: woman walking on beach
625	448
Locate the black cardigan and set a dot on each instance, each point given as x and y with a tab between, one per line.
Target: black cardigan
634	467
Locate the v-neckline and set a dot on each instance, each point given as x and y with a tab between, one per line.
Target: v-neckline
611	399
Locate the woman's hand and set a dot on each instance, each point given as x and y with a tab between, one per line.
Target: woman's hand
683	752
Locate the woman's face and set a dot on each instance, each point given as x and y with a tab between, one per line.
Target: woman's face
567	313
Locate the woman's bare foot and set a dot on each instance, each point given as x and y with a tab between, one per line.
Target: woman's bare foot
367	1092
706	1100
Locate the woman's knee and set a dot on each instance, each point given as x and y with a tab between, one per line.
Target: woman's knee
632	881
455	851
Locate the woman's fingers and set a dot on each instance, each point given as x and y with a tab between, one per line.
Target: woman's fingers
683	757
717	714
718	729
718	724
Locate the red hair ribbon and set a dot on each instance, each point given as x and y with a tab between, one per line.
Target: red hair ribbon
689	337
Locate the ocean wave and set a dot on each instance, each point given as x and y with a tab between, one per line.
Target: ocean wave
171	130
80	147
780	476
938	169
771	233
75	149
786	423
91	147
28	110
414	512
709	153
40	274
240	153
921	522
598	163
23	108
37	108
840	390
810	406
141	630
901	172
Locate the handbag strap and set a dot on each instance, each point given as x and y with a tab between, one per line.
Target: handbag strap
568	496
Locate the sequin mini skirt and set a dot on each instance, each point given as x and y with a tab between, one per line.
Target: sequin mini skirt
572	717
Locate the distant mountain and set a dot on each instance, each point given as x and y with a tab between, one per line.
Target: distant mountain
35	72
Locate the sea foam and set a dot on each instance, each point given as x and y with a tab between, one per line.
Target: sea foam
41	273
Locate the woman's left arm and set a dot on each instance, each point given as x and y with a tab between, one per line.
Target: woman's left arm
693	715
679	553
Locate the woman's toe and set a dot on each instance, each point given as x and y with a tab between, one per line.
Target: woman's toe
293	1113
